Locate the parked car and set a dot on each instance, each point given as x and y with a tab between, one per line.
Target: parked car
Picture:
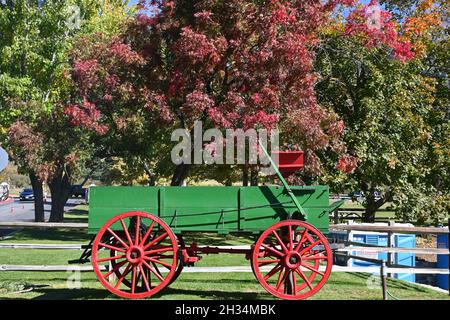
26	194
78	191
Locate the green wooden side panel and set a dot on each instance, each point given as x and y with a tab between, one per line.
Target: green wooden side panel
200	208
256	217
107	202
218	209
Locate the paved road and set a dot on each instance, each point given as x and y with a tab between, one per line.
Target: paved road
24	211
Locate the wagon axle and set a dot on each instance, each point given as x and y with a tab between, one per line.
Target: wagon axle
192	253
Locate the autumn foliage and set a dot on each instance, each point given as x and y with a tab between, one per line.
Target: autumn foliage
232	64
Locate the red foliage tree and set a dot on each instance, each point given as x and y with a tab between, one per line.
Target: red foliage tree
233	64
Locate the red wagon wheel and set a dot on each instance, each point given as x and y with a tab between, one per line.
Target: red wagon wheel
142	255
298	254
141	287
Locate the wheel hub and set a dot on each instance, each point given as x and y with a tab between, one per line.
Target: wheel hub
135	254
292	260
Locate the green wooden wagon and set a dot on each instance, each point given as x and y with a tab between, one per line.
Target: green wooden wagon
138	248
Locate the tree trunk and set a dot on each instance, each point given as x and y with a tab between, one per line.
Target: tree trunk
60	190
372	206
245	175
181	173
253	176
151	176
38	192
229	181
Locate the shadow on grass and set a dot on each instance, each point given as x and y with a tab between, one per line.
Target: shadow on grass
66	294
55	235
91	293
210	294
76	216
228	281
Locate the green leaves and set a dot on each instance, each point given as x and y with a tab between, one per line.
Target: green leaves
394	127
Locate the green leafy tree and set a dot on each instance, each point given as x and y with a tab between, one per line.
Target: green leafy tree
35	84
396	117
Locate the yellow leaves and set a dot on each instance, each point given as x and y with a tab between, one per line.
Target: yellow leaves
418	28
429	85
425	5
336	27
392	162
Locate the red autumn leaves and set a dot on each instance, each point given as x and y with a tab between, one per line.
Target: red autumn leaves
235	64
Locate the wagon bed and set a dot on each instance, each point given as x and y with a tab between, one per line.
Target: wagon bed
211	209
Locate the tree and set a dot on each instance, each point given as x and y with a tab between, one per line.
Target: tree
34	86
396	124
230	64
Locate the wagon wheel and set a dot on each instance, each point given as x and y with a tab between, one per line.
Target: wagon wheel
143	262
141	287
298	254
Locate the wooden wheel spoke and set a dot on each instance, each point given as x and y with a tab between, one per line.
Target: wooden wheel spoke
164	249
156	268
291	241
138	226
108	246
149	230
153	271
125	229
157	240
317	256
165	264
117	238
111	258
266	262
283	246
133	280
311	246
302	240
309	238
272	272
312	269
281	278
113	270
272	250
294	283
302	275
125	273
144	277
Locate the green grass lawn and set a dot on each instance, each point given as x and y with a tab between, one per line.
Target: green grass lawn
197	286
54	285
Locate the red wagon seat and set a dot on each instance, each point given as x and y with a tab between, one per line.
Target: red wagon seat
290	161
